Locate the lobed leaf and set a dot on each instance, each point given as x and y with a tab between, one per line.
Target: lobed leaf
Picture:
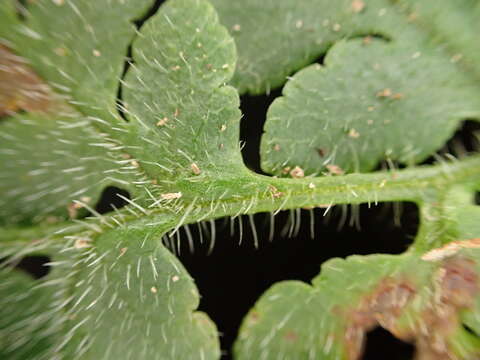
276	38
80	48
417	298
126	296
116	291
39	182
184	121
26	320
364	106
369	102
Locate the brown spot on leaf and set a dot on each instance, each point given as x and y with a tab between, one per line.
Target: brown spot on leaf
322	152
291	336
335	169
20	87
454	286
254	316
195	169
163	121
385	93
367	40
383	307
274	191
82	243
171	196
358	6
297	172
458	282
354	134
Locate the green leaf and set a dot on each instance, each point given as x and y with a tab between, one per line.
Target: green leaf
9	16
275	38
80	48
189	129
117	291
453	23
368	103
128	297
49	160
25	320
418	299
346	116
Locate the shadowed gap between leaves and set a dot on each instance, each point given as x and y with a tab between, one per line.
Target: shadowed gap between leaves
470	330
394	349
129	58
36	265
254	108
242	264
464	141
112	198
21	9
391	347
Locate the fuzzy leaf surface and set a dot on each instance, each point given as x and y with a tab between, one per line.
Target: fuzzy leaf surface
415	299
369	102
118	292
303	33
131	299
392	94
39	181
25	317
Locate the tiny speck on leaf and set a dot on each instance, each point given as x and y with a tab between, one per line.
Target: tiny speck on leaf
353	134
385	93
297	172
358	6
335	169
171	196
195	169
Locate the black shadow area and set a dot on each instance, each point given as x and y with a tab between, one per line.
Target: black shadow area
36	266
112	198
382	345
254	110
236	273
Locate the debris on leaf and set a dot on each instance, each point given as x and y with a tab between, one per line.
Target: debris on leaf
297	172
335	169
274	191
385	93
195	169
358	6
171	196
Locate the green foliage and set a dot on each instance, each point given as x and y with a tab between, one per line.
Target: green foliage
167	131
